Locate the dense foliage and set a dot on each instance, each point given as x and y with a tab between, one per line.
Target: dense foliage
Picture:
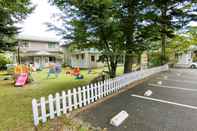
168	16
11	12
123	27
3	61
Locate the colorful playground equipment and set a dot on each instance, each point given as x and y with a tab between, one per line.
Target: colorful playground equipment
75	71
54	69
22	75
21	80
79	77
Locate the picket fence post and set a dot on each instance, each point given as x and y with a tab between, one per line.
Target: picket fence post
75	98
35	112
64	102
79	96
110	86
69	100
43	109
84	95
57	98
119	85
92	92
116	85
96	91
102	89
88	94
99	90
51	107
107	86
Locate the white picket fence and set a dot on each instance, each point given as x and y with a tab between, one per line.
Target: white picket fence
65	102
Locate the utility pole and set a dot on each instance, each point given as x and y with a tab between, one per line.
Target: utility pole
18	54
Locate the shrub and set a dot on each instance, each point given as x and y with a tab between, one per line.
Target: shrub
3	61
154	59
194	58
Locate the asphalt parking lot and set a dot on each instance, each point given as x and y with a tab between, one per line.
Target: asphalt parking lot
171	107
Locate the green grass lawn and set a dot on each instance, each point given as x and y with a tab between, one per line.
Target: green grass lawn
16	110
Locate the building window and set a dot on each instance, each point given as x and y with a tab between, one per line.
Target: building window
24	44
51	45
82	56
77	57
51	59
92	58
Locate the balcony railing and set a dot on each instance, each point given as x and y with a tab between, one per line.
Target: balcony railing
28	49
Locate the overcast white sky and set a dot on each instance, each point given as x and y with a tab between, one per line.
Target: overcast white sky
34	25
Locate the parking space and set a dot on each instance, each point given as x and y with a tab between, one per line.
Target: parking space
171	107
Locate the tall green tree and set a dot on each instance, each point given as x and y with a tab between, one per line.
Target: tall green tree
94	24
11	12
120	19
168	16
192	32
178	44
131	13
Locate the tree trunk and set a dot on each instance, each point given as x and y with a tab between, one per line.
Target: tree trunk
129	33
113	71
163	35
139	60
163	48
113	65
128	63
18	55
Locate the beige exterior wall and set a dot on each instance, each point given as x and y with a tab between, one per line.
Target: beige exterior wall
74	58
40	46
39	52
87	61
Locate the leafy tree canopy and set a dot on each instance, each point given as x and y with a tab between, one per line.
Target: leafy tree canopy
11	12
167	16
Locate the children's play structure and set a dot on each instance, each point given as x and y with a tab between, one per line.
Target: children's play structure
74	72
54	69
22	75
22	79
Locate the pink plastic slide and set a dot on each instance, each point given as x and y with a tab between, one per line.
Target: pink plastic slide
21	80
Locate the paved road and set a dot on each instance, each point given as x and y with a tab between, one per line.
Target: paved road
171	107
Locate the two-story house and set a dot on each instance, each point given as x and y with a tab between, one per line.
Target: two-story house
38	50
86	58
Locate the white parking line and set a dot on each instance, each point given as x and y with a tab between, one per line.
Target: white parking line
172	87
164	101
183	76
183	81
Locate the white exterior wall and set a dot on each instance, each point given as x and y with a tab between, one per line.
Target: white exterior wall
78	62
184	60
86	62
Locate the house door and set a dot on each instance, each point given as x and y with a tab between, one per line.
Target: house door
46	60
52	59
37	60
